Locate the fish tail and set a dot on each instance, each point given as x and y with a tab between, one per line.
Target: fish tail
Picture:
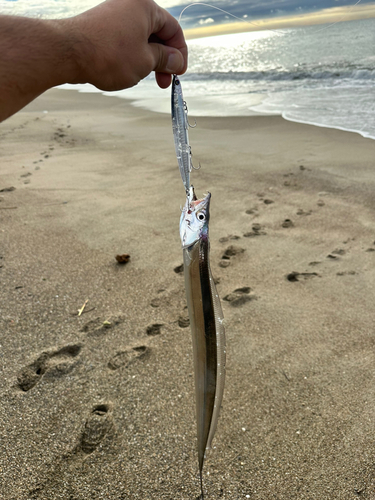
201	481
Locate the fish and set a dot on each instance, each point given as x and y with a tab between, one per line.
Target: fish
206	320
180	126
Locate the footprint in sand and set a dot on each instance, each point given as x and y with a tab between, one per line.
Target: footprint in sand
257	230
97	327
97	426
59	135
224	263
183	319
179	269
225	239
126	357
302	212
336	253
287	223
294	276
290	183
162	299
266	201
166	298
332	257
99	429
54	363
339	251
154	329
240	296
251	211
231	251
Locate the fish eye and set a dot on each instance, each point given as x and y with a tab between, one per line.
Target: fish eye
177	81
201	216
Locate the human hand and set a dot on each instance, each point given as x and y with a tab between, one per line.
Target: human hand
120	42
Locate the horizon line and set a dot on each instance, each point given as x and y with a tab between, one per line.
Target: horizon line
323	16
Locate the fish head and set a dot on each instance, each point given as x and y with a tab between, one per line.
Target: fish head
194	219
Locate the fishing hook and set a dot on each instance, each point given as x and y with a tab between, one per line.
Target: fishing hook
187	119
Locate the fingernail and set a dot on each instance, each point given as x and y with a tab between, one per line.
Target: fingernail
174	63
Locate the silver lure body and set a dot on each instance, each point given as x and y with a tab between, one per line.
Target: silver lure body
180	127
206	320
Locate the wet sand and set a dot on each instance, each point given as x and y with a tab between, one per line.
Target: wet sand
101	405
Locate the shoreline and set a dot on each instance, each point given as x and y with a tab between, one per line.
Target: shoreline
336	127
140	103
101	405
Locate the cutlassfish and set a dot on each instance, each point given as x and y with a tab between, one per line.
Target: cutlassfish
206	320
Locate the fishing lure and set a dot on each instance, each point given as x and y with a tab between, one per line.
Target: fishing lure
206	320
180	126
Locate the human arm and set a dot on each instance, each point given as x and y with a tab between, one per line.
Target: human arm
108	46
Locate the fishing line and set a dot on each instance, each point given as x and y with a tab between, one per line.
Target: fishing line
279	32
339	20
225	12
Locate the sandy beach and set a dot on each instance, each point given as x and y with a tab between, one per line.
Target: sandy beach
101	405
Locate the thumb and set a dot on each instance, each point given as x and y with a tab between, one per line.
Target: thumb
167	59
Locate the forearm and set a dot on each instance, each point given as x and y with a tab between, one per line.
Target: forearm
112	46
35	56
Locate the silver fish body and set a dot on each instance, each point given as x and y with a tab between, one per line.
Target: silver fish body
180	127
206	320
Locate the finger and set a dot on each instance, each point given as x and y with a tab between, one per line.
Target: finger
166	59
167	29
163	80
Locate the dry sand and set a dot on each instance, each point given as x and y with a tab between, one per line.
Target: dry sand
102	405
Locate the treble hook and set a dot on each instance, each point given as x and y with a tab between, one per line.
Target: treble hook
187	119
195	168
191	161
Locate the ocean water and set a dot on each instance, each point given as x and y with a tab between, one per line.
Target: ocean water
323	75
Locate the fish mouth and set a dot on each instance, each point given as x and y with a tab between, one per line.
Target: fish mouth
196	204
